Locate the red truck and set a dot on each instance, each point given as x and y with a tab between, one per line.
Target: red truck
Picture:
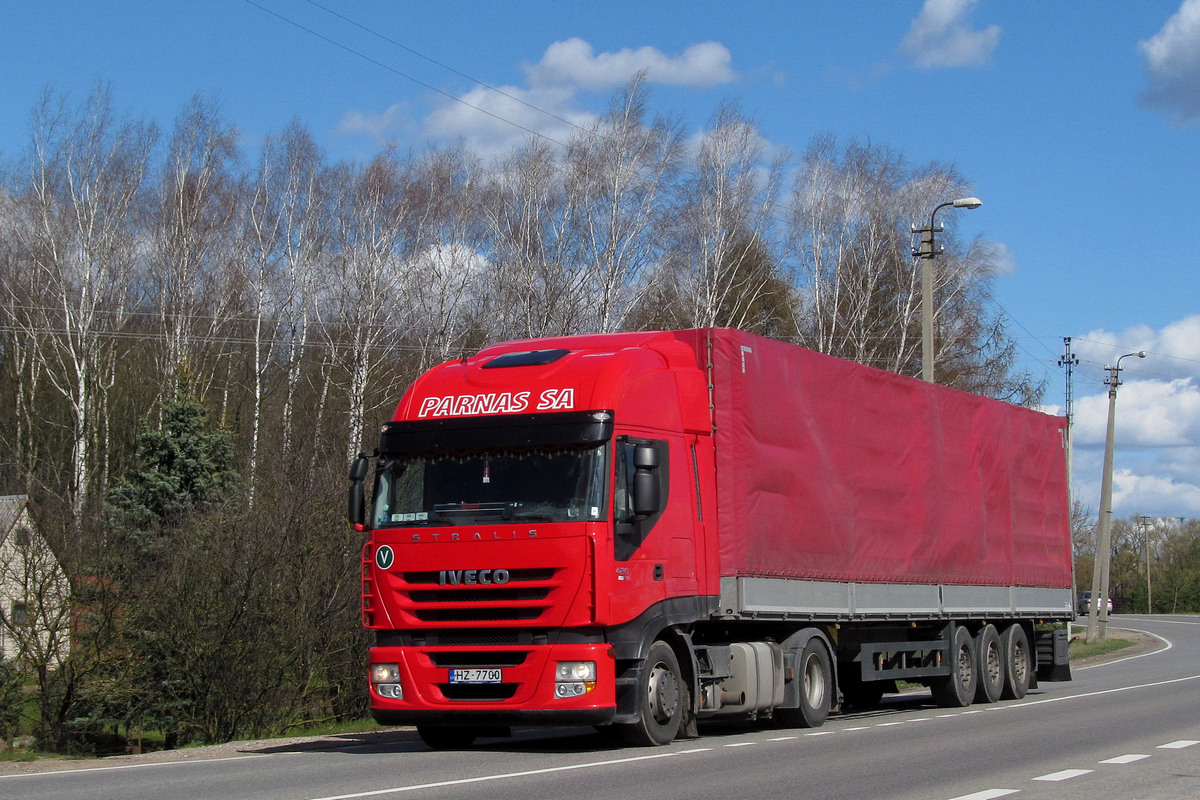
644	530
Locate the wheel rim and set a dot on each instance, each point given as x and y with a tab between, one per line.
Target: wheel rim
995	665
814	682
663	691
966	671
1020	665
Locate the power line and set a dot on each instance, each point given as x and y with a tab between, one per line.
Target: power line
406	76
448	68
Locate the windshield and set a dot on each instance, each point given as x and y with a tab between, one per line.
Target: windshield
543	485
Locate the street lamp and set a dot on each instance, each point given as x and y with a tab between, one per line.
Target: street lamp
1098	612
927	250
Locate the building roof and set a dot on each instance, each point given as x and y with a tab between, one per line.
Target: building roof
11	507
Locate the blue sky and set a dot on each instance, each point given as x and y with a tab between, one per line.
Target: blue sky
1078	124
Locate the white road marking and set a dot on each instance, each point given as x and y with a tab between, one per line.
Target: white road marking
987	794
1167	645
1179	745
507	775
138	766
1129	758
1064	775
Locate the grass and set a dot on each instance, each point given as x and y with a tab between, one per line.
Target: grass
1081	649
333	728
18	756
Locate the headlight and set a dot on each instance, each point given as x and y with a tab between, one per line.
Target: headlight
576	671
574	678
385	673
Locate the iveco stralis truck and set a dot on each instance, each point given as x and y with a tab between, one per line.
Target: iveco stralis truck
646	530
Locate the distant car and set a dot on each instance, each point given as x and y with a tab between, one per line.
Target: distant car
1085	603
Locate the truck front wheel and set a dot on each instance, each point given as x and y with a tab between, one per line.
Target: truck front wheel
663	698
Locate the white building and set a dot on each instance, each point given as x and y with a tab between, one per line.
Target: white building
34	616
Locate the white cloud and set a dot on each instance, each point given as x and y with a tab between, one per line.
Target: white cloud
1157	447
1173	352
1152	414
1173	65
1004	263
941	36
379	127
495	122
575	63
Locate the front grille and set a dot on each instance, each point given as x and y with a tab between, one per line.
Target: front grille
478	638
466	659
478	614
505	595
527	596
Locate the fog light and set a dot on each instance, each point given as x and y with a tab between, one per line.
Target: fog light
392	691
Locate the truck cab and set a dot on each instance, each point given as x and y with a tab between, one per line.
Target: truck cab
535	518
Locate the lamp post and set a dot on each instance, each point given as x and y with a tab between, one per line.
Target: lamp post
926	250
1098	610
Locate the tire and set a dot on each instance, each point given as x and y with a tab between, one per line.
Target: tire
663	697
444	737
815	676
1018	662
989	666
957	690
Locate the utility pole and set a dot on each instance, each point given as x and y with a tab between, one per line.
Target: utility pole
1068	362
1098	613
1144	519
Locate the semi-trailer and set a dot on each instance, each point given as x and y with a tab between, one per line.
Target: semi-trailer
646	530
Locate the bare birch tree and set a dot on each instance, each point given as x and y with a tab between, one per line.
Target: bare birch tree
620	171
536	286
721	227
852	211
197	206
86	170
371	276
450	238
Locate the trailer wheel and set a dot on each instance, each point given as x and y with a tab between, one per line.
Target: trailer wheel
990	665
816	688
663	698
1017	662
445	737
957	690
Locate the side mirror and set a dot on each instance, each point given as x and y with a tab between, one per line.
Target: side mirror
357	511
647	491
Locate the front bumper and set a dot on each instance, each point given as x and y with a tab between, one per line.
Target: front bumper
525	695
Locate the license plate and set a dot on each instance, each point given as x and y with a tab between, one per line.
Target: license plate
476	675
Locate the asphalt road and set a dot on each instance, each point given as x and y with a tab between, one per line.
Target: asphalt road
1129	728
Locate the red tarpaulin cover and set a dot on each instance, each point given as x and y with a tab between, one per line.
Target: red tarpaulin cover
830	470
